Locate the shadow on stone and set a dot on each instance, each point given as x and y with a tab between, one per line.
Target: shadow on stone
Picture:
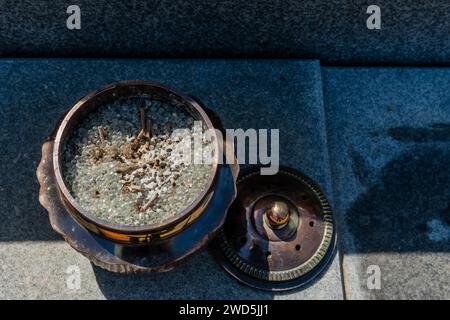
438	132
408	209
200	277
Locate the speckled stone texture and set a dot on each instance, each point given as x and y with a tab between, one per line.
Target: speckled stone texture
283	94
387	131
412	32
389	139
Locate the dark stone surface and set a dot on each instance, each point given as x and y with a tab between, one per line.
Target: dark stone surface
412	32
389	140
246	94
258	94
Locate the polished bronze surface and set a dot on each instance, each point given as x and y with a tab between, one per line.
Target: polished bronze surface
133	249
279	232
278	214
109	93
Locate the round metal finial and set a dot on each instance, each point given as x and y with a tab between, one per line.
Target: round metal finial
278	215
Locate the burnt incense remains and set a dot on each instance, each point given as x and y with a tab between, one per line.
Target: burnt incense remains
126	162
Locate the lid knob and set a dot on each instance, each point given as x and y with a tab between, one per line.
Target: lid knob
278	214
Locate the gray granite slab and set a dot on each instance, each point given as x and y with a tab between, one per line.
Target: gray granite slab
282	94
389	139
412	32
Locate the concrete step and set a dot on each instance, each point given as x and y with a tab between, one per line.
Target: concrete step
389	139
283	94
333	31
376	139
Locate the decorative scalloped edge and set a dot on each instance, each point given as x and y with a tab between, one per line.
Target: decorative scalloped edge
50	200
47	183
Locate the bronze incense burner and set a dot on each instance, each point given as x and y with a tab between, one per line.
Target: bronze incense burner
279	232
123	248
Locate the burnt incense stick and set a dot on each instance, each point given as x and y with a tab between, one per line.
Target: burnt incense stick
146	125
128	168
135	187
149	202
149	128
101	134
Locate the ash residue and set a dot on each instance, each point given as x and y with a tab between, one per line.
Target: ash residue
123	162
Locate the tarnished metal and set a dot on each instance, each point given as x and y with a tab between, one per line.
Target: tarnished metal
278	215
279	233
110	93
125	248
